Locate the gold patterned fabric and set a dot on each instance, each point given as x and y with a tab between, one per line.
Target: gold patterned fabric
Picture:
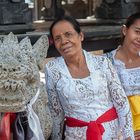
135	108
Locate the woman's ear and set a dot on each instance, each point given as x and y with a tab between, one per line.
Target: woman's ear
124	30
81	36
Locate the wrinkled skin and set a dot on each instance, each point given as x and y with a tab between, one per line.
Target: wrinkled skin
20	78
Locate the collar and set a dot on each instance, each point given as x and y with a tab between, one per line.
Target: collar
61	64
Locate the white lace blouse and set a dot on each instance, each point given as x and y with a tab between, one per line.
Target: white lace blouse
86	99
130	78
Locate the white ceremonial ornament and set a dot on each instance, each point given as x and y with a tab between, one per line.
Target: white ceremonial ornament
33	120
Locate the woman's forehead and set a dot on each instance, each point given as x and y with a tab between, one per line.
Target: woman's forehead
137	22
63	26
64	23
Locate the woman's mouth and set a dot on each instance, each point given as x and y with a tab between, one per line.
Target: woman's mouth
137	45
66	49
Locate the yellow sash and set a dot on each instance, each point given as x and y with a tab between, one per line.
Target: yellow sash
135	109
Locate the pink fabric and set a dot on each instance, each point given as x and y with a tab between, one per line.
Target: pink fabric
5	124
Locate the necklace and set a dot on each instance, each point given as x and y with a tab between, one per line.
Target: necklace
126	57
130	60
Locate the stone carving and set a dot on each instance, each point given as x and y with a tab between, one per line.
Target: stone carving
20	78
15	12
116	9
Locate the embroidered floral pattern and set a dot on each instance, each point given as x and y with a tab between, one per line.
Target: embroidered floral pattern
86	99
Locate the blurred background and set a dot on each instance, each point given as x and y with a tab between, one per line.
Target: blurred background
100	20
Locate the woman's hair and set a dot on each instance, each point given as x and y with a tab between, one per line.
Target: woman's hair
131	19
69	19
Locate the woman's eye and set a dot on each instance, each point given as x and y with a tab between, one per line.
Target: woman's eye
68	34
138	32
56	39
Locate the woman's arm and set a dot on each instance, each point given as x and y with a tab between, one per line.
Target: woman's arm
54	105
120	101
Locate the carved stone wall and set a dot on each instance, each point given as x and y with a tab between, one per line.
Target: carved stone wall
117	9
14	12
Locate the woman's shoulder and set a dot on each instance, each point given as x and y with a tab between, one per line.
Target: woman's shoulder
91	55
110	53
99	58
54	63
97	61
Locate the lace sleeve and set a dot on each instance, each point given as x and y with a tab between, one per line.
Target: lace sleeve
54	105
120	101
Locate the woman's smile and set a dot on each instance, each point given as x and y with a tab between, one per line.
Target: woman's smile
67	49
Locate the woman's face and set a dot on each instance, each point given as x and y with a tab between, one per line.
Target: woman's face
132	37
67	41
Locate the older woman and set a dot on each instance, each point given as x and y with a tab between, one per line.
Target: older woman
84	89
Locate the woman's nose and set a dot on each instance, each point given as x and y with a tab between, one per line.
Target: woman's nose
64	40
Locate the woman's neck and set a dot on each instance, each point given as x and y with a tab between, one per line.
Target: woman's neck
76	61
128	55
78	67
130	59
